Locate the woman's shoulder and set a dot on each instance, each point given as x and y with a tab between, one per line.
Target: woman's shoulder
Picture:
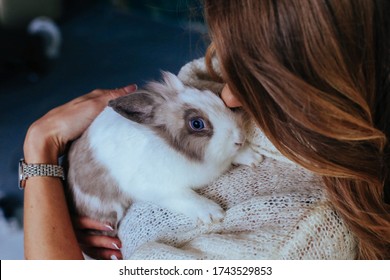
319	233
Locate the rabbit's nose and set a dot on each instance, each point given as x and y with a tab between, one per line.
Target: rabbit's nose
239	144
238	136
240	139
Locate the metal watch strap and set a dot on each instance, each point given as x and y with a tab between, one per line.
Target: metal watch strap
37	169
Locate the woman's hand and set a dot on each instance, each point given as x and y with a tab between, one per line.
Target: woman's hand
97	246
48	137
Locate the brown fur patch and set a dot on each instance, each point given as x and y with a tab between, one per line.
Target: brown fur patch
185	140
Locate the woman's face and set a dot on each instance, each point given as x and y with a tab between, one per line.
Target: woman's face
230	100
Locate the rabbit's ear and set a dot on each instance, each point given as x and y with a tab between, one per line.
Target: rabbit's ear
172	81
138	107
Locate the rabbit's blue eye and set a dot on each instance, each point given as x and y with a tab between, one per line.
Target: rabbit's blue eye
197	124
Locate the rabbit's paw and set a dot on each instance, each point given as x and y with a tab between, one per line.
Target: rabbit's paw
198	208
248	156
207	212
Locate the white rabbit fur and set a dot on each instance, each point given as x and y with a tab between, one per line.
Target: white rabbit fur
151	153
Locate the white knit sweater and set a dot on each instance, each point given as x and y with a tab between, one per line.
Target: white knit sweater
277	210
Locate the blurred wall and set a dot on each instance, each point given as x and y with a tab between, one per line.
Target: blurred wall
17	13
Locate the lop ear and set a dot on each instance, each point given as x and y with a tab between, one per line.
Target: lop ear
138	107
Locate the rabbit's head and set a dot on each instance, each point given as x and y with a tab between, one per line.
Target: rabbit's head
195	123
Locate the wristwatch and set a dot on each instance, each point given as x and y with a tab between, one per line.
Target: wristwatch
37	169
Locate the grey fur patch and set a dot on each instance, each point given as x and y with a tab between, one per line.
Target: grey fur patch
94	180
184	139
192	113
138	107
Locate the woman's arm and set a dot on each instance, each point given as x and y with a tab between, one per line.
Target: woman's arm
48	227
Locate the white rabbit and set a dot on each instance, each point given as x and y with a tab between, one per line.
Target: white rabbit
158	145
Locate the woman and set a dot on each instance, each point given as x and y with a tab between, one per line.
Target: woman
314	75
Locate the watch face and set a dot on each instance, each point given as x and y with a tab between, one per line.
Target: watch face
21	181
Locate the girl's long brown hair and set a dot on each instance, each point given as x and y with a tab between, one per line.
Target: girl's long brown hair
315	76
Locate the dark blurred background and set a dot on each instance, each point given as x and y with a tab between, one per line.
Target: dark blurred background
79	46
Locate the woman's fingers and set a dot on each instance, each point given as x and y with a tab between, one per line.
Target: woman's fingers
90	224
100	241
73	118
102	254
99	246
93	241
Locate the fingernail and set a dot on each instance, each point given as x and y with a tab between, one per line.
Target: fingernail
109	227
130	88
115	246
113	257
